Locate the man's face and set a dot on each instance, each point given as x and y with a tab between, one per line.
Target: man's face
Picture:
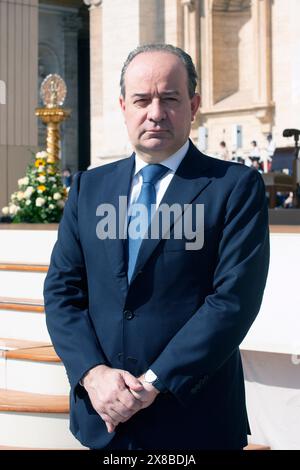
157	108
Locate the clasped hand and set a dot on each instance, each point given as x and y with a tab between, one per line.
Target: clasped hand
116	394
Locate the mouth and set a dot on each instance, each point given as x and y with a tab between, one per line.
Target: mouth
156	131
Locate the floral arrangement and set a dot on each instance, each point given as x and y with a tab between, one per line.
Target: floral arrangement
41	195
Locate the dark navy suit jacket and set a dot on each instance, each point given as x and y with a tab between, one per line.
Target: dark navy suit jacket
183	314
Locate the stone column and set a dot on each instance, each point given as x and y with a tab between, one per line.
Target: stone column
206	55
71	25
18	69
261	14
191	44
96	71
152	21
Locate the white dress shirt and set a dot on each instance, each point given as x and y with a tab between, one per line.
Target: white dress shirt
162	184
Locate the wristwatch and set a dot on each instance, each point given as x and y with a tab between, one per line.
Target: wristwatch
151	378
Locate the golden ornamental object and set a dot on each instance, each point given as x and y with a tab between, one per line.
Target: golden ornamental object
53	93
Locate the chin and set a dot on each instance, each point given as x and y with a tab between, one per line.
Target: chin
157	144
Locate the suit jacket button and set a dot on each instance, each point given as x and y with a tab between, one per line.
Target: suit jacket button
128	314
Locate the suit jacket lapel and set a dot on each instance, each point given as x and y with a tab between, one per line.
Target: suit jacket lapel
118	187
187	183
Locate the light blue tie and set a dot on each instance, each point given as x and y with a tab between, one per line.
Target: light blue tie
147	197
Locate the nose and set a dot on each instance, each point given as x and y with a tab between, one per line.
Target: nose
156	111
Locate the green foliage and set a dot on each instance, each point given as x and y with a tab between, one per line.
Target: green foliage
41	195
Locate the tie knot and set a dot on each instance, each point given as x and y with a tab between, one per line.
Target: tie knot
153	172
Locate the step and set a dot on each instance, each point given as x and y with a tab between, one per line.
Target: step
33	368
23	318
24	402
11	345
33	268
35	421
36	376
22	304
30	448
257	447
21	282
31	243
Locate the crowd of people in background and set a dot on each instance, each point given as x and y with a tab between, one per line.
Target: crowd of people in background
259	158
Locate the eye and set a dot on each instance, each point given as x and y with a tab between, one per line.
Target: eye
170	99
141	101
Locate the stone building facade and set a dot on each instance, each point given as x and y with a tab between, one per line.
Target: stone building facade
247	57
246	53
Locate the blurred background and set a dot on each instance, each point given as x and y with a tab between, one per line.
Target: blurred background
246	54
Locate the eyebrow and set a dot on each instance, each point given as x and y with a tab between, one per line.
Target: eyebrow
164	93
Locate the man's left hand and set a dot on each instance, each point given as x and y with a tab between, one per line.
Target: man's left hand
147	395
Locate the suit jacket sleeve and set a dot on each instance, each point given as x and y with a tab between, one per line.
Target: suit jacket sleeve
217	328
66	298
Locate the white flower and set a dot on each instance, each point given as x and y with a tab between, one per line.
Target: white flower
40	201
28	192
61	204
56	196
40	169
51	207
23	181
28	202
41	179
5	210
54	186
20	195
42	154
13	209
52	178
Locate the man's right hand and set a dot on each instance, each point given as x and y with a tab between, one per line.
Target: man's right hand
108	390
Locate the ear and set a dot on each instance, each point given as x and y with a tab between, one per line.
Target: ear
122	103
195	103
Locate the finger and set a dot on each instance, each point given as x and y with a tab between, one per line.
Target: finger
140	396
126	412
115	415
110	427
108	419
132	382
129	401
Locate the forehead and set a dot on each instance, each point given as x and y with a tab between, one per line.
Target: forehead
157	68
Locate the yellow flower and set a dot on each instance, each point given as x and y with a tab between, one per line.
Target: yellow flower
41	188
39	162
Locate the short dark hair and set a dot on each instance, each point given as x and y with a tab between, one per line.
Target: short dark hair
181	54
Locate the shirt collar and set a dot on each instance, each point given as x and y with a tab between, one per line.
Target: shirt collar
171	162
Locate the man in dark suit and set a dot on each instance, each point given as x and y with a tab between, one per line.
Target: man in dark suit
149	328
